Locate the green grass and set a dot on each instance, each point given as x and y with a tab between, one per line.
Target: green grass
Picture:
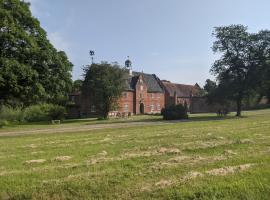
77	122
203	158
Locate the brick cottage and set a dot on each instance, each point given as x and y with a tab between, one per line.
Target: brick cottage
143	94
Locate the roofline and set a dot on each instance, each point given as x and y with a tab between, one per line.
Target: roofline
166	82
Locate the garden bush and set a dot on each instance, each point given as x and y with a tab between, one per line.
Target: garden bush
3	123
11	114
57	112
34	113
44	112
37	113
174	112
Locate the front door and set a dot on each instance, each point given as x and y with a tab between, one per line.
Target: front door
141	108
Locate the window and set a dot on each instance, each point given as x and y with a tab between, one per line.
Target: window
125	95
93	108
141	81
72	98
158	107
152	96
141	87
152	107
158	96
126	107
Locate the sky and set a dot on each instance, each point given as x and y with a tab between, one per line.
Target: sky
169	38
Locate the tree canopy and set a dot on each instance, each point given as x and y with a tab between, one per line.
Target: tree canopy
77	85
209	86
31	69
243	65
104	84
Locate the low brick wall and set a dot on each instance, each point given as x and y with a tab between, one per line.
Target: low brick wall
200	105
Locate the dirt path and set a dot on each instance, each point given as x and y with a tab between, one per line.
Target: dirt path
83	128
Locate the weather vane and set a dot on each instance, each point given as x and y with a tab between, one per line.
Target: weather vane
92	53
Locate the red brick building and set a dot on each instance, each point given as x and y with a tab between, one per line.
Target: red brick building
179	93
143	94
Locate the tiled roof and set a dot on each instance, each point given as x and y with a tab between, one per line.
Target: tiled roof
150	80
180	89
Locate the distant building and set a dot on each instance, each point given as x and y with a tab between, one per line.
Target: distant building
179	93
143	94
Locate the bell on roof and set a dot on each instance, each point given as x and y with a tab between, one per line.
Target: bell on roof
128	65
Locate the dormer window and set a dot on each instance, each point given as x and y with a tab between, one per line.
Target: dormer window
141	88
125	95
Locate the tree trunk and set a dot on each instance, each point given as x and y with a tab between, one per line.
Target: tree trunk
106	111
239	107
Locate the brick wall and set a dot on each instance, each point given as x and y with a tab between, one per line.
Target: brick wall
125	102
168	99
151	102
200	105
140	96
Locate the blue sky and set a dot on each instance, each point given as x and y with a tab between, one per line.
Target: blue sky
171	38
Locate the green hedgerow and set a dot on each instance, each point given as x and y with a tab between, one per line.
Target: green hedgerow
11	114
174	112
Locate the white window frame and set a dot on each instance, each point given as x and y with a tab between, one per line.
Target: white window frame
152	107
93	109
126	107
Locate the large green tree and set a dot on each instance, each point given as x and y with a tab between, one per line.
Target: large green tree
31	69
244	67
77	85
234	70
209	86
260	51
104	84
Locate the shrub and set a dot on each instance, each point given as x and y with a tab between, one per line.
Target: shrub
57	112
174	112
37	113
11	114
3	123
223	112
44	112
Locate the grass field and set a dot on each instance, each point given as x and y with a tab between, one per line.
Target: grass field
203	158
78	122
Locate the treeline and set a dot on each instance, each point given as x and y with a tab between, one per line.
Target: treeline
34	113
243	70
31	70
35	78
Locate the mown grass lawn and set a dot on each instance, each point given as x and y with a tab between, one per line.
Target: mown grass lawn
77	123
203	158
